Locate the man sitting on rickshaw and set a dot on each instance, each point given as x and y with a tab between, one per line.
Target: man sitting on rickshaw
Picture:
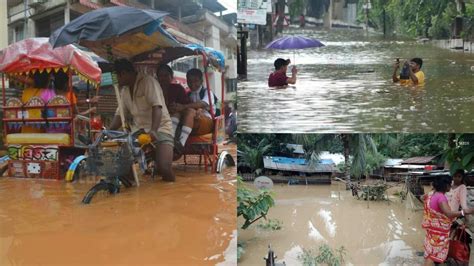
144	103
174	93
195	116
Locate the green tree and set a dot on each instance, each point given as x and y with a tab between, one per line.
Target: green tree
410	145
252	156
468	31
412	17
461	154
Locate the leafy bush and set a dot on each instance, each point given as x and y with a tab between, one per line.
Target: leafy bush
271	224
252	205
326	255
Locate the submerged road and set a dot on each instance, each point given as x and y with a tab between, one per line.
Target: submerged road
347	87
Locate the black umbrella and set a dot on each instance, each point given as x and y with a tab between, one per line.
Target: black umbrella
121	31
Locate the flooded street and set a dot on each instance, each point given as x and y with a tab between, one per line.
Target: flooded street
189	222
347	87
384	233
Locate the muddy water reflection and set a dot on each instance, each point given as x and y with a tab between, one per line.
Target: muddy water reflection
346	87
190	222
312	215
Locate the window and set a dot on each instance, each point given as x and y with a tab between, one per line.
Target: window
19	32
47	25
231	85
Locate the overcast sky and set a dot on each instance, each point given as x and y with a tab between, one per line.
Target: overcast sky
231	5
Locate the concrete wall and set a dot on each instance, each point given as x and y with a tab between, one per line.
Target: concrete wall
344	14
337	16
221	36
3	24
455	44
351	13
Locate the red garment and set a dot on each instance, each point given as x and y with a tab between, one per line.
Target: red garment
437	226
175	94
277	78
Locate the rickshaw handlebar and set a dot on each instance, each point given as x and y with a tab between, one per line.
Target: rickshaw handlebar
116	135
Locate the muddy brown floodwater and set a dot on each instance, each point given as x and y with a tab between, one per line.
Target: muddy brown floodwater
384	233
189	222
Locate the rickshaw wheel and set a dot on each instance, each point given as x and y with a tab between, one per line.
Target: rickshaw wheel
224	160
125	181
81	171
101	186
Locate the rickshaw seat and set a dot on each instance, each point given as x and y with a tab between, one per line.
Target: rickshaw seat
38	138
207	138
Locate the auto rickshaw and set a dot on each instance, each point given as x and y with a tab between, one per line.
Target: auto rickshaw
40	131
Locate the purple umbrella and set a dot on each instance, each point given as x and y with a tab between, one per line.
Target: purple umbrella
293	42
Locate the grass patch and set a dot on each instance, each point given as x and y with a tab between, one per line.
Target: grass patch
324	256
271	224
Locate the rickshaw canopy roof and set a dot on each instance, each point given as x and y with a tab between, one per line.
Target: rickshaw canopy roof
214	57
37	54
117	32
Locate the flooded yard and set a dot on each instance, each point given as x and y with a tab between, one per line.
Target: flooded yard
372	233
347	87
189	222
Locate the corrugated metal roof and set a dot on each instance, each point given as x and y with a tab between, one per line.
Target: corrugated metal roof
392	162
419	160
408	166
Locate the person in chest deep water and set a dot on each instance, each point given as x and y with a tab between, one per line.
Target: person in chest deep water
414	75
279	78
144	103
